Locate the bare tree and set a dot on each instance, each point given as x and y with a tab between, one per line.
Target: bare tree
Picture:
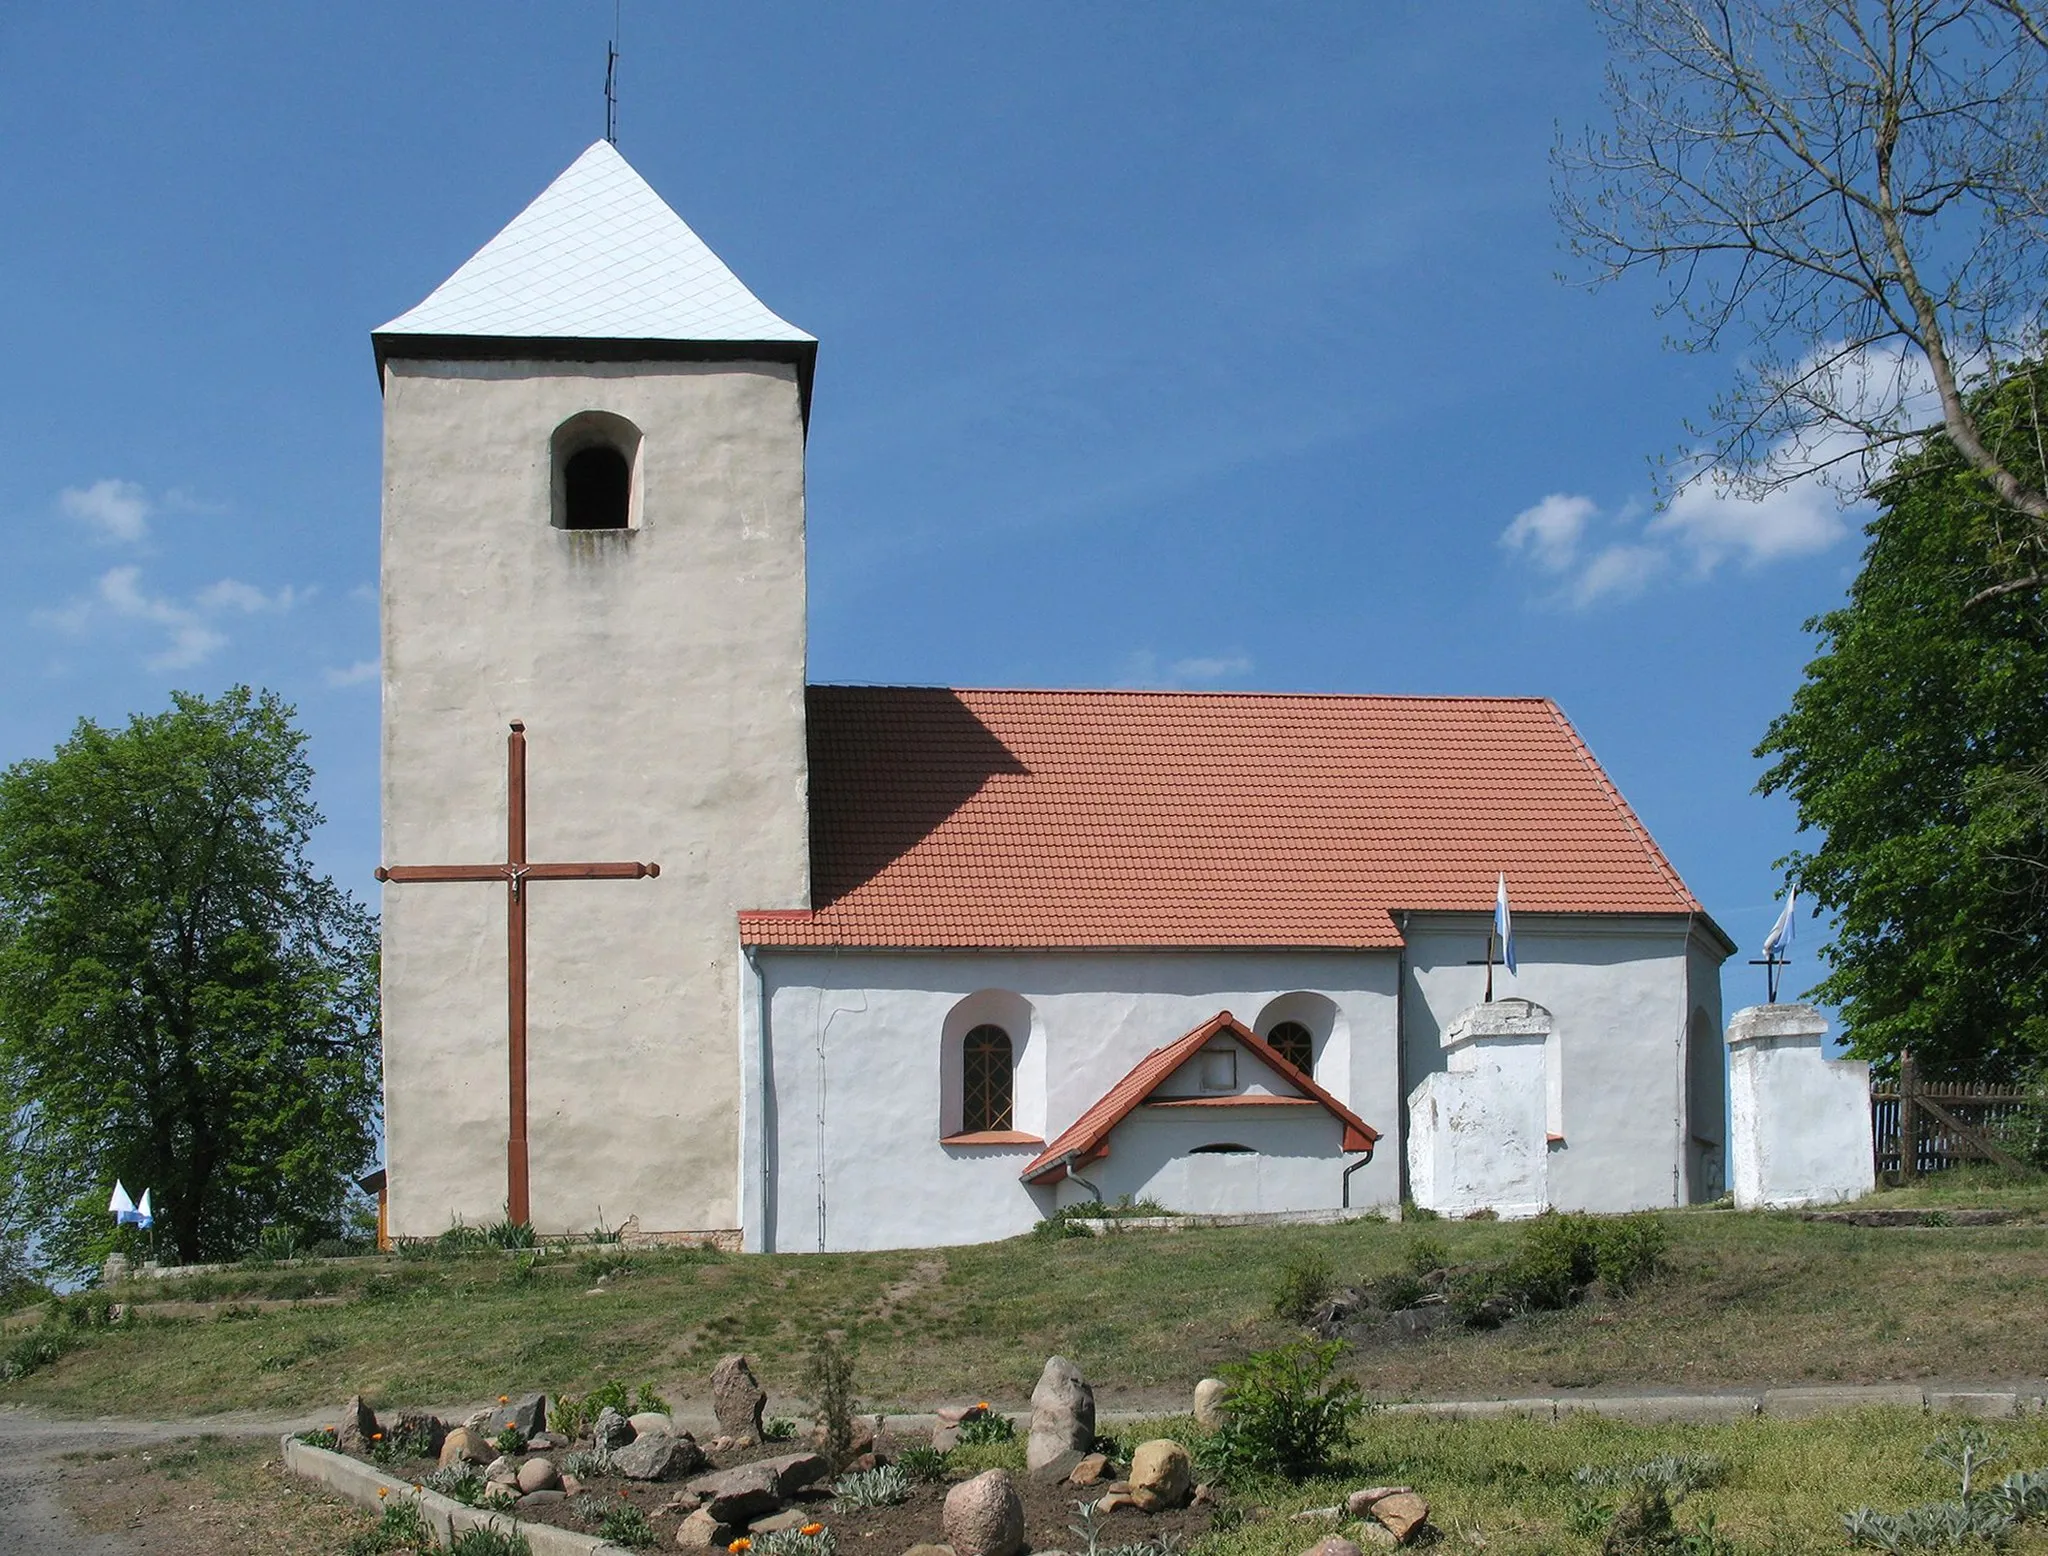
1855	192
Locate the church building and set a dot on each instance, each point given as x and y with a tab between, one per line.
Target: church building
678	943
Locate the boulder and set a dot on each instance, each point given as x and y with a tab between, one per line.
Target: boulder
658	1456
644	1421
794	1471
1062	1420
418	1427
546	1497
743	1493
1359	1503
611	1430
960	1415
929	1550
571	1486
738	1400
504	1470
357	1427
539	1475
1370	1533
1401	1514
1333	1545
1091	1471
1114	1498
775	1523
1162	1475
465	1445
700	1531
478	1420
530	1415
985	1516
1210	1409
546	1442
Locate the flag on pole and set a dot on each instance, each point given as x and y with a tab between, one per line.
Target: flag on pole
144	1216
121	1207
1504	925
1779	941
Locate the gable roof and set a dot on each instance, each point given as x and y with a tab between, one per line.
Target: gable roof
1087	1137
598	259
944	819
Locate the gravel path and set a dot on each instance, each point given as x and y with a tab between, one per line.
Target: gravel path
32	1519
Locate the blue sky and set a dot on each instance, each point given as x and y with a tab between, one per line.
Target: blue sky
1162	344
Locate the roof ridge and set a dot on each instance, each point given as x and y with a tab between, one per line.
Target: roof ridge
1171	691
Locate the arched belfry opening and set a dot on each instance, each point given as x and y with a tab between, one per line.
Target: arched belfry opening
595	473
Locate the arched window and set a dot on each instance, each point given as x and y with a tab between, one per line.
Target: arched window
595	460
1293	1042
985	1080
597	489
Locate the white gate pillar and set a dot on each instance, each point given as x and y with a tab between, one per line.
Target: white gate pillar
1476	1129
1801	1121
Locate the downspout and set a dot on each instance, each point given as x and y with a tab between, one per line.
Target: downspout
1401	1060
765	1073
1684	1112
1067	1161
1363	1161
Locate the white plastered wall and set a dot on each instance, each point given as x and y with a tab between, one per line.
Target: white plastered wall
660	673
847	1152
1621	991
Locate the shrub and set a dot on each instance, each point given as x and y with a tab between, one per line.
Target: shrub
828	1394
462	1481
1410	1211
481	1541
612	1261
995	1427
1427	1255
1288	1416
274	1244
644	1398
509	1439
922	1464
460	1239
883	1486
1306	1281
624	1524
30	1352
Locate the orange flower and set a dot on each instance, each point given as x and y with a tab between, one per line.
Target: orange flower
376	1437
981	1405
504	1399
812	1529
383	1491
741	1544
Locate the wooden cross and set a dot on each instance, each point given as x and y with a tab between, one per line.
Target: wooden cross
515	872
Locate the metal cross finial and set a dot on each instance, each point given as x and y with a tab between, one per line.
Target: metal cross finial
516	871
611	80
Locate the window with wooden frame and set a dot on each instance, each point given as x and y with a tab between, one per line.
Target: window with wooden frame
986	1080
1293	1042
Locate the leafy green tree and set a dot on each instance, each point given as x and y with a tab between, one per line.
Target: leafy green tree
1916	749
185	1003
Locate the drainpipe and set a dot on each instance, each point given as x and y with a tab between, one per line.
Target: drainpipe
766	1083
1363	1161
1067	1161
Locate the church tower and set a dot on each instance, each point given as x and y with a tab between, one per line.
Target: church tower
593	526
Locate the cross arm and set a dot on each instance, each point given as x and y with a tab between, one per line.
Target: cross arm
444	872
604	870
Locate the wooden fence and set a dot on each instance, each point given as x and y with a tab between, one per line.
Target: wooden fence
1925	1126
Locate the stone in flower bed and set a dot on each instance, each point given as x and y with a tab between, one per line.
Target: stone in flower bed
985	1516
659	1456
738	1401
1062	1420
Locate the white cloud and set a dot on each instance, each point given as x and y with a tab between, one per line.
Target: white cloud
190	636
1550	532
353	675
117	510
1714	526
1142	671
1619	572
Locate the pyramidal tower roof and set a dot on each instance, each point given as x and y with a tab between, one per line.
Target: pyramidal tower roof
598	260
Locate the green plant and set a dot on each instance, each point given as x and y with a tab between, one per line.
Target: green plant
1426	1255
276	1243
883	1486
568	1416
600	1266
316	1437
1410	1211
509	1439
507	1233
588	1463
30	1352
828	1393
462	1481
1676	1474
645	1398
1288	1415
461	1238
795	1542
995	1427
922	1464
624	1524
1306	1281
403	1527
526	1267
489	1541
778	1429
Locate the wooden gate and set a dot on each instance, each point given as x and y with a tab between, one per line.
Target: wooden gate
1925	1126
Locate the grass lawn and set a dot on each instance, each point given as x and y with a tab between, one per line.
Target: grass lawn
1747	1299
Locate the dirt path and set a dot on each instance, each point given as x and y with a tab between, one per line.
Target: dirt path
33	1519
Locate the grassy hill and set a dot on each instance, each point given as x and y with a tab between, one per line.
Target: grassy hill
1743	1299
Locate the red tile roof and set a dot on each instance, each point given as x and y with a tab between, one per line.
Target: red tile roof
1087	1138
963	819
